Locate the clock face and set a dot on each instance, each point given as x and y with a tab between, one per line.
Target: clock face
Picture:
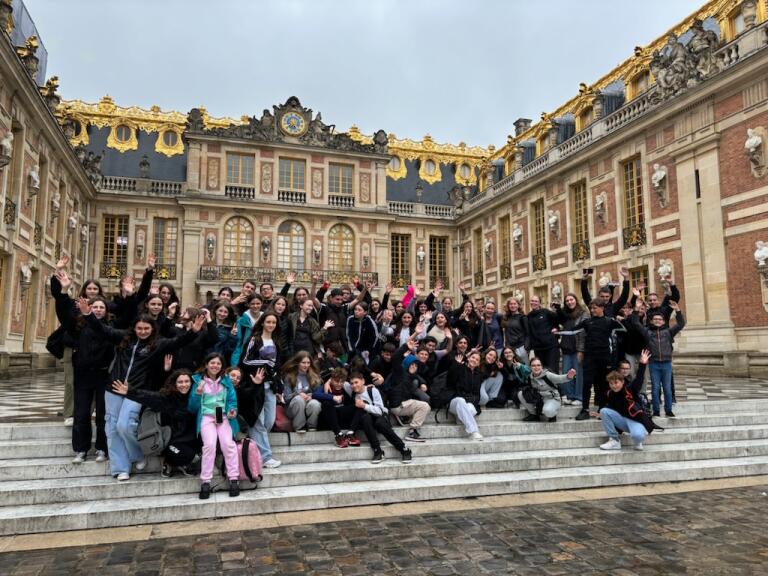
293	124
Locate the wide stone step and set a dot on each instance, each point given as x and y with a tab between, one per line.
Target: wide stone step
31	459
144	509
23	492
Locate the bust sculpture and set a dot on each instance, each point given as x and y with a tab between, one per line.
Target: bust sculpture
753	147
517	234
761	254
605	279
665	269
6	144
553	219
34	178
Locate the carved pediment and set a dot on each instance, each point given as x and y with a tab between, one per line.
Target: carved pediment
290	123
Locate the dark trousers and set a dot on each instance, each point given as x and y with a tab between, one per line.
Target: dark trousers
90	386
550	358
373	425
595	372
179	454
333	416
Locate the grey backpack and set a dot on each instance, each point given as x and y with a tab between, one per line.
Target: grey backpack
153	436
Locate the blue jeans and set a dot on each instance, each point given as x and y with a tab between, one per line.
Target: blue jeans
572	388
259	432
613	422
490	388
122	425
661	375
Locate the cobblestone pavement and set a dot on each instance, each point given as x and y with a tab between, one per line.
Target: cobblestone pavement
708	533
39	398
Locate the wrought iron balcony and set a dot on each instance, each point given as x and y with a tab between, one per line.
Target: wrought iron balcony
580	250
539	262
634	236
241	273
113	270
292	197
400	280
240	192
505	270
165	271
444	279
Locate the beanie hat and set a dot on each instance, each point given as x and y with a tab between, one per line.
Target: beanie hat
409	360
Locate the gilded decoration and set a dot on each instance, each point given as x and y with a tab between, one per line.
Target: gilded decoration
163	148
428	149
131	143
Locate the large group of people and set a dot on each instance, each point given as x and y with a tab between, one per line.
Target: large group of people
336	358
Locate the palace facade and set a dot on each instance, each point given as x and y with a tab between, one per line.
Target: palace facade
658	166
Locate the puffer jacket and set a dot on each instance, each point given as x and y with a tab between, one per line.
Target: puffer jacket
660	339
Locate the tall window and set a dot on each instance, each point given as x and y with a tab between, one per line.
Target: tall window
340	179
506	251
401	259
638	278
438	260
292	174
291	242
240	169
114	251
164	246
238	242
580	214
633	193
539	238
478	241
341	248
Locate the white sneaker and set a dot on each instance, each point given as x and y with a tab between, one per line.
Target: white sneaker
141	465
566	401
123	476
612	444
476	436
576	403
272	463
101	456
79	458
69	421
639	446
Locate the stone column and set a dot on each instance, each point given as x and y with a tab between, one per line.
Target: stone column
191	258
709	326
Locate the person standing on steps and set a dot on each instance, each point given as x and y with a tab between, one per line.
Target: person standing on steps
542	323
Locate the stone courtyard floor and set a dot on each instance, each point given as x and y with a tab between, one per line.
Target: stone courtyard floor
703	532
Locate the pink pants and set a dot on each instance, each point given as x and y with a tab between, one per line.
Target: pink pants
210	431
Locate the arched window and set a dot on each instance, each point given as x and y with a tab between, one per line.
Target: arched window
291	240
341	248
238	242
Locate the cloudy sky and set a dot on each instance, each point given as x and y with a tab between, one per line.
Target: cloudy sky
460	70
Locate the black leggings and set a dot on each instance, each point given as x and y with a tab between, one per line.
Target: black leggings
89	387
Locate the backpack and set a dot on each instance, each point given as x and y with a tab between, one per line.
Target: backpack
152	435
55	342
642	399
250	460
440	394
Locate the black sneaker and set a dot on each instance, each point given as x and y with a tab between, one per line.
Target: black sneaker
583	415
378	456
414	436
205	491
407	456
656	414
531	418
669	414
166	471
553	419
234	488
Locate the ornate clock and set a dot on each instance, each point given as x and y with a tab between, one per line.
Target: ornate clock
293	124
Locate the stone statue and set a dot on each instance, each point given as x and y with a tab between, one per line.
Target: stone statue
517	234
34	179
665	269
754	150
56	203
266	245
702	48
671	67
557	291
195	122
380	142
605	279
553	219
26	275
761	254
487	245
658	179
600	200
72	222
84	233
317	251
420	256
6	144
144	166
519	295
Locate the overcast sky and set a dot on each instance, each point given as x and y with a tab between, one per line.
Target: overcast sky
460	70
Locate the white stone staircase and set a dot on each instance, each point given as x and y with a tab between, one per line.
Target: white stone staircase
42	491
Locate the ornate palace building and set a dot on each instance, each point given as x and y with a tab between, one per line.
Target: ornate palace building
658	166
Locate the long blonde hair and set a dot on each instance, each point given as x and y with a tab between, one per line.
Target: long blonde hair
290	370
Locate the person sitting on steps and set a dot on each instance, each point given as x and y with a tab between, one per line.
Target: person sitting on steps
545	384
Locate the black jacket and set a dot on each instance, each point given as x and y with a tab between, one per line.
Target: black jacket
516	331
174	413
612	309
466	382
540	325
626	402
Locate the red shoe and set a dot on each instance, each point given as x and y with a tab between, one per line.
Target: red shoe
352	439
341	441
